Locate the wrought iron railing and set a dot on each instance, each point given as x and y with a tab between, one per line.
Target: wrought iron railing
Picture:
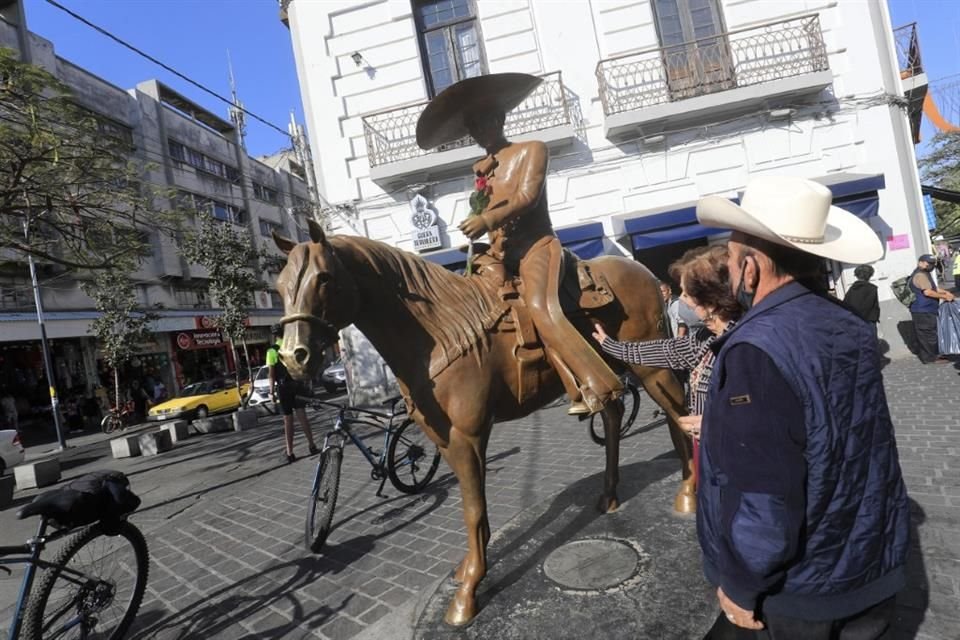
738	58
391	135
908	50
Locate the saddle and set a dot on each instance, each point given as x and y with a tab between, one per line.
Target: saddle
581	291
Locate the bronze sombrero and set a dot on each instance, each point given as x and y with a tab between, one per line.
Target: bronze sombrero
444	118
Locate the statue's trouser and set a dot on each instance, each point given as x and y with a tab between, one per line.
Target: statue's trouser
584	374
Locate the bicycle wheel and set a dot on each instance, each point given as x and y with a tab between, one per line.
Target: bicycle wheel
323	499
630	401
95	588
109	423
412	458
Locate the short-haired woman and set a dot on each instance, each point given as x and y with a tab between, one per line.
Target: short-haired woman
705	280
862	297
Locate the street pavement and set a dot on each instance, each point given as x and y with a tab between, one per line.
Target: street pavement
223	515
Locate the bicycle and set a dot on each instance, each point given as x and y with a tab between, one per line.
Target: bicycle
115	419
408	459
74	600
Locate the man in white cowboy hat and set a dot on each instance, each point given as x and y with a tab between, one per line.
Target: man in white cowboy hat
518	221
802	511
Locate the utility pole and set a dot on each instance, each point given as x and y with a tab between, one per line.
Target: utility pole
299	141
44	345
237	116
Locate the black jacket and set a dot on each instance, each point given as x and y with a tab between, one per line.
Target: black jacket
862	300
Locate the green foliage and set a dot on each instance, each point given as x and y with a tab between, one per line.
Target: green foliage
941	168
120	325
234	264
69	175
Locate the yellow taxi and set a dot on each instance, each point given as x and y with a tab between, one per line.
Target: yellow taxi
200	399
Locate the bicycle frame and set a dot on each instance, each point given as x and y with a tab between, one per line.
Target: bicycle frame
31	557
342	426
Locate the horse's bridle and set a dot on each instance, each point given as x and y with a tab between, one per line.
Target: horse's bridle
329	332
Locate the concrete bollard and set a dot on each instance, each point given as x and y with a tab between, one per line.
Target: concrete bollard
7	484
212	425
178	429
155	442
244	419
125	447
37	474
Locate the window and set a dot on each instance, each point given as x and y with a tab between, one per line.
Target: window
188	298
16	292
266	194
200	162
120	133
696	62
276	300
301	206
266	227
202	204
450	44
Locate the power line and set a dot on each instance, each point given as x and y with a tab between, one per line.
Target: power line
146	55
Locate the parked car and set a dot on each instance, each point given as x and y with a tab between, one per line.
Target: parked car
334	377
200	399
260	392
11	450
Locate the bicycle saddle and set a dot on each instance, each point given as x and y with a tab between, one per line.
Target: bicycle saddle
392	403
101	495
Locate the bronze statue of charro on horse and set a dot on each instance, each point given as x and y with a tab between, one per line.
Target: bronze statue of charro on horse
469	352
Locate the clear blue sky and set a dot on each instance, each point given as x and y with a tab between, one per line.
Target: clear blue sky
192	36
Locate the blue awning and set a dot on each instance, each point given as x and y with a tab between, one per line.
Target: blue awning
585	240
669	227
452	259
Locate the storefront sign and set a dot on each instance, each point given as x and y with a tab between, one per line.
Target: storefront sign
210	322
426	231
256	335
199	339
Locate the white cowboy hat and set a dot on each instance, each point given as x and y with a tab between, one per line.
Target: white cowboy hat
794	212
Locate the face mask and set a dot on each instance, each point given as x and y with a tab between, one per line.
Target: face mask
744	297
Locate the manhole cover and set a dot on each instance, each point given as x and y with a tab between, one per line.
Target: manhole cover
591	564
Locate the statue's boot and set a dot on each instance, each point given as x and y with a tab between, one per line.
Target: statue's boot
583	399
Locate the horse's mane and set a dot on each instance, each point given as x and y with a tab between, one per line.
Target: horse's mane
455	311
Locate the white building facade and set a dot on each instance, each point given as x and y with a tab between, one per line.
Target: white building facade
646	105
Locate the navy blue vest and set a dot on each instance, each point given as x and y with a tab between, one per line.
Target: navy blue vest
923	304
856	526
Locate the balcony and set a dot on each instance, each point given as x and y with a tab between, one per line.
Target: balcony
912	76
394	157
738	71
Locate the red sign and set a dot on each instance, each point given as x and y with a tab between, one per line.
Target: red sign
199	339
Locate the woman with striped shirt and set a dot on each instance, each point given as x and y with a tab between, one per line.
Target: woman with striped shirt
705	280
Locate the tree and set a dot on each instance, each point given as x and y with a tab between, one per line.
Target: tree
70	192
234	264
941	168
121	324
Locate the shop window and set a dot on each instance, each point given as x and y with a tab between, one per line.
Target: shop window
450	44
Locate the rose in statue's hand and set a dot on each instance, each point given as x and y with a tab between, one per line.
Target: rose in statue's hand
474	227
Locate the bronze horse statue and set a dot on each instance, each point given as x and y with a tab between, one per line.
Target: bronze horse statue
447	341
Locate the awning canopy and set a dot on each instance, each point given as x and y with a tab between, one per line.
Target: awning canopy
585	240
857	193
946	195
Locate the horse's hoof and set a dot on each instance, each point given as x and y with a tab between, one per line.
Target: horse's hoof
685	503
608	504
461	611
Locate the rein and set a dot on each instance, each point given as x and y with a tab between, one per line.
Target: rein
330	332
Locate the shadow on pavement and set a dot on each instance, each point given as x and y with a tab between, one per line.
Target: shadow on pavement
914	600
246	601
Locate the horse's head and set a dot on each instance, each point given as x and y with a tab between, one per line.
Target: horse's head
319	298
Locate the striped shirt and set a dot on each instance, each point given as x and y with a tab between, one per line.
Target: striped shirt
690	353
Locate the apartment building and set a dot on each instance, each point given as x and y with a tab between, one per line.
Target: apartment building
646	105
197	157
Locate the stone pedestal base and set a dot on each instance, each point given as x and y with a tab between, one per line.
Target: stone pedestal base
157	442
37	474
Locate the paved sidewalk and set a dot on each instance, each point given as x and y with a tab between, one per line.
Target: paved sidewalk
224	521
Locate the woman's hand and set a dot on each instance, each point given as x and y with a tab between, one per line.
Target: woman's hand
599	334
690	425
